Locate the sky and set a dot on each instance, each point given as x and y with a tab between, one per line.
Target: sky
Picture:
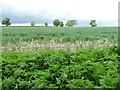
22	12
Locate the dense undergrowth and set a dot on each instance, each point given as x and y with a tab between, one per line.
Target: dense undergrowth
83	68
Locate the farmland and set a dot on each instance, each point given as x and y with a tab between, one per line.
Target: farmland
57	37
67	34
59	57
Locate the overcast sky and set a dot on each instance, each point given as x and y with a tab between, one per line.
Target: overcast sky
40	11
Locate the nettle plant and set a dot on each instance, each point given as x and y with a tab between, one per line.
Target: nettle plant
83	68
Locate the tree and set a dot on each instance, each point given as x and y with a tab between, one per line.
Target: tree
32	24
71	23
61	24
46	24
56	22
93	23
6	21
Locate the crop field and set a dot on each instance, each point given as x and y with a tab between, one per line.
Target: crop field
56	37
67	34
59	57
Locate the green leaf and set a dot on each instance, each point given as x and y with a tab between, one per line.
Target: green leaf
58	81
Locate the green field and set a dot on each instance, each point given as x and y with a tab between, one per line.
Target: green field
67	34
59	57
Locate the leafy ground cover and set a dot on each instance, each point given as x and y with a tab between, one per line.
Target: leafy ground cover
87	68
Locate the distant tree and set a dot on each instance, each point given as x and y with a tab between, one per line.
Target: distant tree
32	24
93	23
6	21
46	24
61	24
71	23
56	22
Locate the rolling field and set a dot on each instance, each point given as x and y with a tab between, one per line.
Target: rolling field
59	57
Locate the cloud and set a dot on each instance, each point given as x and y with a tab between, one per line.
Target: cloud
41	11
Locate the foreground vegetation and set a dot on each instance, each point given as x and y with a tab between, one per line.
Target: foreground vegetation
87	68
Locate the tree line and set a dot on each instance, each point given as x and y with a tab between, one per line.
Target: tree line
56	23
